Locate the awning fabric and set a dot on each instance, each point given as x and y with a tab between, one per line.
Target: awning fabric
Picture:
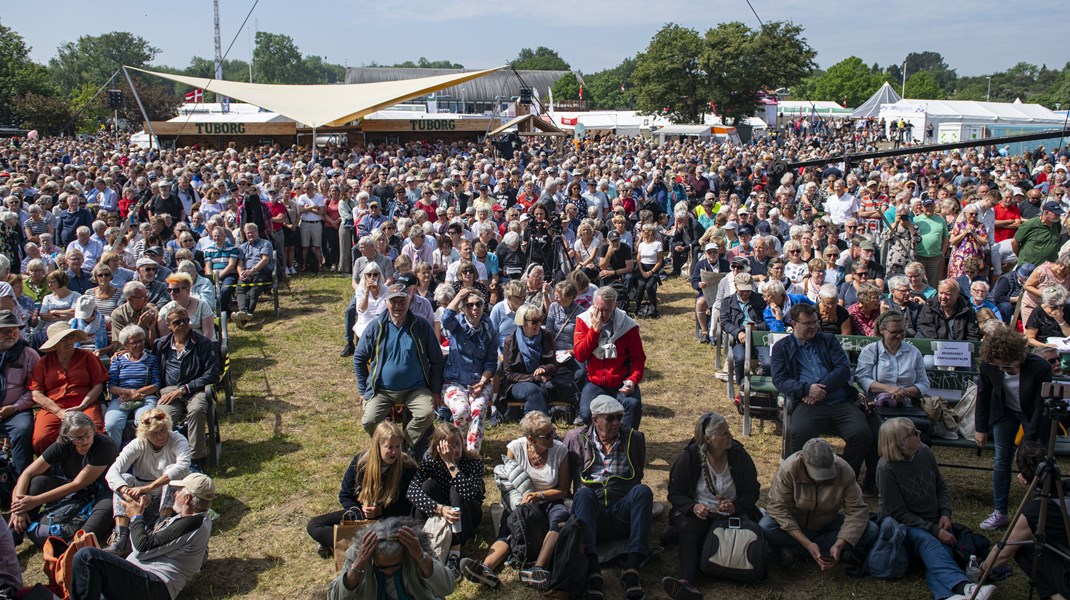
325	105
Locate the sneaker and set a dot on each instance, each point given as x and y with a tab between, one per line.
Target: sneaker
678	589
477	572
984	593
704	338
536	577
325	552
453	563
996	520
722	375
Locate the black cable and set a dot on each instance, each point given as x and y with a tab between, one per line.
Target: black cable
755	14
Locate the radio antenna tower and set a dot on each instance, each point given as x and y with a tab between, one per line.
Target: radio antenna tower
218	43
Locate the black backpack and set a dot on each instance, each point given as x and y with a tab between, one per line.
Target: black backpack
528	526
569	572
8	477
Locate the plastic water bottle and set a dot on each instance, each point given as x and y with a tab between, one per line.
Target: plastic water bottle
973	569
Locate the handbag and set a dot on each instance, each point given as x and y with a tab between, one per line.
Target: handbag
735	550
440	535
344	532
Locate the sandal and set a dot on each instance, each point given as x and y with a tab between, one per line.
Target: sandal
633	588
594	587
678	589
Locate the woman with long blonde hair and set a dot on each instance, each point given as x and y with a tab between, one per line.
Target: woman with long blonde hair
373	487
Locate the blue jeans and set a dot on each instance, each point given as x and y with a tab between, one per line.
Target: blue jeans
98	573
115	418
350	320
19	429
533	395
825	538
1003	432
633	403
628	517
942	573
226	291
739	360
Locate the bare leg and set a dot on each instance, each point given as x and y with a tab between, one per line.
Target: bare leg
546	554
499	551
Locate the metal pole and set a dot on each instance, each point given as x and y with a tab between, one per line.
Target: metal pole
116	124
218	43
904	92
148	123
988	96
313	144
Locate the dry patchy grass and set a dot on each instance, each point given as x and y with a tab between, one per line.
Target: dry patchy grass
297	427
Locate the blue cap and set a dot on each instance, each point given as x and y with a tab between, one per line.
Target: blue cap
1025	269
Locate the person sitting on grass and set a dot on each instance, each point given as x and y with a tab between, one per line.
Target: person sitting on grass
713	479
815	505
544	458
913	492
449	483
391	559
373	486
607	461
144	468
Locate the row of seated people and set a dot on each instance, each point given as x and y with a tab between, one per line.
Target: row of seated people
814	510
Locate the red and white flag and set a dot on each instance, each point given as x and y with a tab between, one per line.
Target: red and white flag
581	91
196	95
568	121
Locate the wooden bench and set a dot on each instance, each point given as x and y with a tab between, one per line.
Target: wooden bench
947	384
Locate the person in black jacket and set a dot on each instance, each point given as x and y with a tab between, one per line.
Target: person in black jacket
684	241
374	486
714	478
734	319
188	364
712	262
1008	394
948	316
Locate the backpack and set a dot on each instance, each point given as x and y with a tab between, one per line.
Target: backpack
58	556
62	520
528	526
888	558
735	550
968	543
8	477
569	572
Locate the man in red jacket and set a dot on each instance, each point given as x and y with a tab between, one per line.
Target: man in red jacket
608	341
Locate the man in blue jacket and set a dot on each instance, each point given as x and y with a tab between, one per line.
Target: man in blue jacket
812	371
386	360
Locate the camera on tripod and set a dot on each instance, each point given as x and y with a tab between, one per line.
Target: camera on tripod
1056	399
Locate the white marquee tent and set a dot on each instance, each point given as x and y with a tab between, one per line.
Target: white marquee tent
872	106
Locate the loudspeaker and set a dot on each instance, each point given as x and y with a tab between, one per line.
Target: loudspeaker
115	99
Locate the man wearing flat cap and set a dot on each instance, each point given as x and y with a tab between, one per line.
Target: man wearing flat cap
606	460
165	557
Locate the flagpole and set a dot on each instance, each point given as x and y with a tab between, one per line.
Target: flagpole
148	123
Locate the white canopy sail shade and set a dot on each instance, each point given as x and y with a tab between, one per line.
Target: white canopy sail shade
326	105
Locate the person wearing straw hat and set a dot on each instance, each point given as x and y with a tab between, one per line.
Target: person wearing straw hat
66	379
17	360
164	559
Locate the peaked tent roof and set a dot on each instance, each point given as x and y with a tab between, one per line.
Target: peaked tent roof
872	107
320	105
536	123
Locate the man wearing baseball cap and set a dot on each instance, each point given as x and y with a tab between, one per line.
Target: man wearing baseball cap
711	262
816	506
166	554
1038	240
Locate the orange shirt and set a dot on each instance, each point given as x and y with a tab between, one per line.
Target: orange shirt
68	387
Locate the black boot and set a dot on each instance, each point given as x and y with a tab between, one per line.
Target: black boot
120	544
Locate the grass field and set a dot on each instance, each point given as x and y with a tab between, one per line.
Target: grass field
297	427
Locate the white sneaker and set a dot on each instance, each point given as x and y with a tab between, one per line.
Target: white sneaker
984	593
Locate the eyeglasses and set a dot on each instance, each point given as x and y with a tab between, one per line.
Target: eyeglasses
736	267
179	322
543	436
176	290
862	274
474	304
896	333
372	275
108	275
612	418
150	269
534	321
794	251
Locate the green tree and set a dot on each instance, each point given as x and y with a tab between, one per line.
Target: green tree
92	60
922	85
848	79
90	109
668	79
233	69
740	63
276	59
567	87
19	76
539	59
423	63
933	62
316	70
612	88
47	114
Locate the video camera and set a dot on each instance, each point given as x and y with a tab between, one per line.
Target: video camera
1056	397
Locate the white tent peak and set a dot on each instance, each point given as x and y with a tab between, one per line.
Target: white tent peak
872	107
321	105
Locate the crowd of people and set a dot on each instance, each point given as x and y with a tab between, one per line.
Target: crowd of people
490	288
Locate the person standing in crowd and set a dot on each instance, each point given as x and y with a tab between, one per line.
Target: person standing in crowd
310	207
1038	240
931	251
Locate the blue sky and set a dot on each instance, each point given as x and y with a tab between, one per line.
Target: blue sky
975	38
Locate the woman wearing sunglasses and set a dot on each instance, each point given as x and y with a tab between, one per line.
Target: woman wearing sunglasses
202	319
144	468
470	366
